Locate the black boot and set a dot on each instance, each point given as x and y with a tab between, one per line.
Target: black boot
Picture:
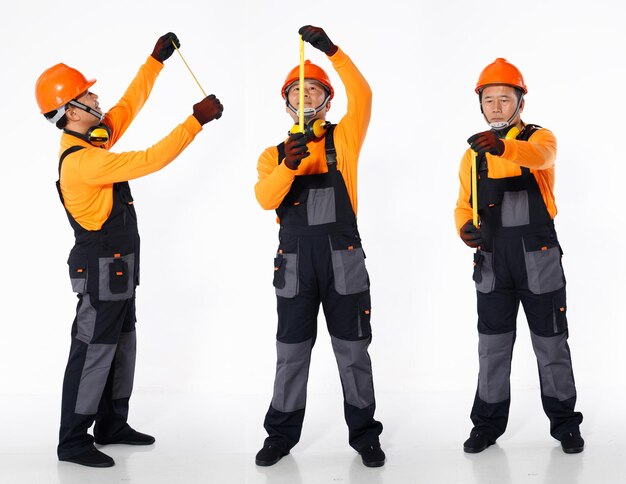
269	455
372	456
91	458
572	443
127	436
478	441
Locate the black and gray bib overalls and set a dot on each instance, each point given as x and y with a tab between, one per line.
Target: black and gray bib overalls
320	260
104	271
520	261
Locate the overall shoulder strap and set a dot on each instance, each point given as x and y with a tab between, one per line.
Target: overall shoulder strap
329	145
528	131
69	151
281	152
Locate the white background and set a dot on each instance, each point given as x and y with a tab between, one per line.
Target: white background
206	306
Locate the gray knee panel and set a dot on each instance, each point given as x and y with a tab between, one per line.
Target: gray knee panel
494	352
355	370
555	366
292	374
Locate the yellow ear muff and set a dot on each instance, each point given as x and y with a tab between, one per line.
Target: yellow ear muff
317	128
512	133
98	135
314	129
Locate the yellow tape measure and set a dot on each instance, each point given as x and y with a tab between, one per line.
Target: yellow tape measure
301	87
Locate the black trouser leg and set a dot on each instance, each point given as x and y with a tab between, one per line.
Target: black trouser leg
490	412
73	436
295	338
284	418
547	318
497	320
283	428
491	418
95	337
112	413
348	320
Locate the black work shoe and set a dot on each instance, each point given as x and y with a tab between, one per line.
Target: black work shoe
129	437
269	455
373	456
477	442
91	458
572	443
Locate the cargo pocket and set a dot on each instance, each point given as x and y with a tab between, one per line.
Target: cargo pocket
543	265
348	261
78	273
364	329
559	313
117	281
279	272
484	275
286	274
118	276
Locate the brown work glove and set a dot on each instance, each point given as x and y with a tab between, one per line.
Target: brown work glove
471	235
486	142
295	150
208	109
164	48
318	39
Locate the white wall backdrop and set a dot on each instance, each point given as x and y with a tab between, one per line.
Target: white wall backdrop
206	305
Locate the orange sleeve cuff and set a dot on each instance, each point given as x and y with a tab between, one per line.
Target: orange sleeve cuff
192	125
154	65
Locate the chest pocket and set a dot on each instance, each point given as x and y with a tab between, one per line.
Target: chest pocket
320	206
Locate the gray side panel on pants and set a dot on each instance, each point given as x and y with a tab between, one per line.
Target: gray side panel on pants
125	365
515	209
85	320
79	285
94	378
555	366
292	375
320	206
355	370
494	353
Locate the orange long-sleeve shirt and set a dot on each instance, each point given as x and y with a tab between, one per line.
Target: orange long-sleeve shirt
87	176
538	154
275	180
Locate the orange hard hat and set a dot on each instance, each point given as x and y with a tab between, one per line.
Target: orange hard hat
311	71
501	71
58	85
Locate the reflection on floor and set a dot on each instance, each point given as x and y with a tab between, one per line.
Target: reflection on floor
213	439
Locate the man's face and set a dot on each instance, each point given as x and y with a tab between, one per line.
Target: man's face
314	95
90	99
499	103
